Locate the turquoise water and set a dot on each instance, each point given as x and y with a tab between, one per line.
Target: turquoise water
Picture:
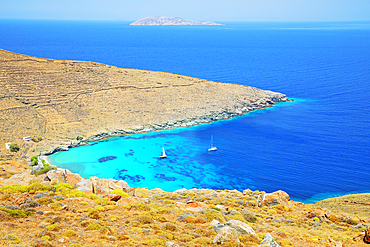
312	148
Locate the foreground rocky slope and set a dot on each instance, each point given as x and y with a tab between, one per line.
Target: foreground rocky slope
70	102
58	214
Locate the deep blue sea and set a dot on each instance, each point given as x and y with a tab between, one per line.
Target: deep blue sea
313	148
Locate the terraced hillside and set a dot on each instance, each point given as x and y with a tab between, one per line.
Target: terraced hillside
63	101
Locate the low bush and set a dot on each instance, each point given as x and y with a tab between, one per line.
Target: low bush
14	147
155	242
43	171
36	138
34	161
119	192
16	213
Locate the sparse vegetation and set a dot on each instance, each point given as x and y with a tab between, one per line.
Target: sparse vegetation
57	212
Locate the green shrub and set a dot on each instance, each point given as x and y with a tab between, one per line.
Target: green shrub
14	147
144	219
119	192
34	161
202	241
11	239
56	206
155	242
64	185
45	200
43	170
53	227
36	138
250	217
37	186
93	226
16	213
170	227
69	233
137	205
14	188
25	188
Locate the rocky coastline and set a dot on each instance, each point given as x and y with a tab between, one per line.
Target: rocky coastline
240	109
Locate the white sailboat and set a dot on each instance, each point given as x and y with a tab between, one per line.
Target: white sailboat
164	155
212	148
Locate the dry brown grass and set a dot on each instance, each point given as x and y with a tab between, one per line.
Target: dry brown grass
356	205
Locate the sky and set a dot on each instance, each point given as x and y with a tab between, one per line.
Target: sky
200	10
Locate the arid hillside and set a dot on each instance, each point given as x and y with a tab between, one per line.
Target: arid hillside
63	101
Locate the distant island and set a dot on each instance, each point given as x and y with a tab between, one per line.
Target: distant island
169	21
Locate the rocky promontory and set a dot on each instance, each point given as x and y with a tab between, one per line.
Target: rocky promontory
169	21
69	103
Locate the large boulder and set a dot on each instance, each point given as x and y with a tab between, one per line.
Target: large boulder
105	186
23	178
226	234
63	176
72	178
55	176
84	185
241	227
192	206
271	199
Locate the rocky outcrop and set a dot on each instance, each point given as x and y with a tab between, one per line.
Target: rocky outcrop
241	227
105	186
226	234
268	241
93	184
271	199
23	178
192	206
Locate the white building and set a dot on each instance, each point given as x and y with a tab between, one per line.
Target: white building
7	145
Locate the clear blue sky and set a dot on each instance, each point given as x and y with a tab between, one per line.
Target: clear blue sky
212	10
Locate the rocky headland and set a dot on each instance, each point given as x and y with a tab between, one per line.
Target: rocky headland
69	103
169	21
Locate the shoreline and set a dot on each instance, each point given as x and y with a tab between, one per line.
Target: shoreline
168	126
